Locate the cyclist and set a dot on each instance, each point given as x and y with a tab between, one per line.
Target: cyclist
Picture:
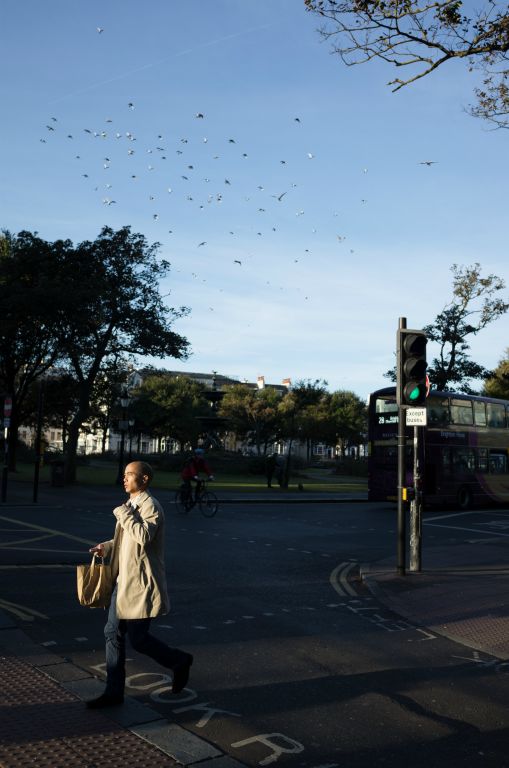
194	465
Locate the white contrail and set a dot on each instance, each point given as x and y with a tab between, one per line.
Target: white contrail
185	52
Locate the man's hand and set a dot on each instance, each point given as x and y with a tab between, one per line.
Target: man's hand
97	550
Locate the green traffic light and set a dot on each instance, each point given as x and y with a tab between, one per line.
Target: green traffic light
414	394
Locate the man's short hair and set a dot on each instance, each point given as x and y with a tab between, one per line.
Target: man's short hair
146	469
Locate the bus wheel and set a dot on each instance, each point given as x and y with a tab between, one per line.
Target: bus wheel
464	498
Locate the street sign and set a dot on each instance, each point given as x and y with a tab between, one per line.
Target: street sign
7	406
416	417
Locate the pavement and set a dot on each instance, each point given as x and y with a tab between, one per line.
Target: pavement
460	593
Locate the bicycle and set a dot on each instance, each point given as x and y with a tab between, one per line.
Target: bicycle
207	501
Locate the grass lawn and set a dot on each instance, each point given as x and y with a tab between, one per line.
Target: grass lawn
105	474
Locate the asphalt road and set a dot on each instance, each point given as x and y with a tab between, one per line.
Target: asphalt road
296	663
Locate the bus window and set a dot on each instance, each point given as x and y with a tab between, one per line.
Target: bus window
496	414
463	460
445	459
480	413
482	459
438	411
461	412
498	463
383	405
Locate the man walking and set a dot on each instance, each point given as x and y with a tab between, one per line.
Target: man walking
136	555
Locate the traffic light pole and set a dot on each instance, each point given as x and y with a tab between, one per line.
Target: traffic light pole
401	565
416	508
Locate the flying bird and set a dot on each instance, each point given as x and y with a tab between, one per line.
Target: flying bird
100	29
427	162
200	114
236	261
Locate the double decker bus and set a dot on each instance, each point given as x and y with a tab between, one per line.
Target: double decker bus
465	449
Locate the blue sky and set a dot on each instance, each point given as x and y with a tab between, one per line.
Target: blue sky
305	171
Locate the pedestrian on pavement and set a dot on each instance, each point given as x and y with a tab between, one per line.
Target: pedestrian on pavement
136	555
270	467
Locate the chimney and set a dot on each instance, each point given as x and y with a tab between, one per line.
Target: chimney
287	383
261	382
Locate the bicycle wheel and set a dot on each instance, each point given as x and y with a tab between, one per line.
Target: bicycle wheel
182	504
208	504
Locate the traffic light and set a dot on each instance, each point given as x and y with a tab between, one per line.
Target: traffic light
411	387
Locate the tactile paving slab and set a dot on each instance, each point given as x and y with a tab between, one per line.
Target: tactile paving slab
43	725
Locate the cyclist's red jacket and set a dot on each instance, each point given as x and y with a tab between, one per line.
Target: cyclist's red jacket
193	468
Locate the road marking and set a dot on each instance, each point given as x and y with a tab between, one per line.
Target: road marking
21	611
36	565
343	587
12	544
47	530
54	551
470	530
453	514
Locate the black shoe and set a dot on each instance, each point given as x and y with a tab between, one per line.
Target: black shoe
181	674
105	700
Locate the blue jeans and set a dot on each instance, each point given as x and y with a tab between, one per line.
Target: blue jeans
137	630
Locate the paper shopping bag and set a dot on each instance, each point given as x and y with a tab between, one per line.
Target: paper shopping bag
95	584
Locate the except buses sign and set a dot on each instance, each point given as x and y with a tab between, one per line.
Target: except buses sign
416	417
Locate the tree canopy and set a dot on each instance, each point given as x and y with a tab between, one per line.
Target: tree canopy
497	385
419	36
170	406
252	414
86	306
475	304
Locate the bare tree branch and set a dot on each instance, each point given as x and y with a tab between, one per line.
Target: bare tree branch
423	36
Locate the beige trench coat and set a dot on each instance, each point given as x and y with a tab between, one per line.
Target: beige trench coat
136	554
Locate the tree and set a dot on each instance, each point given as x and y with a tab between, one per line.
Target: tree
474	306
497	385
253	414
171	406
31	293
293	408
105	395
348	418
113	308
418	37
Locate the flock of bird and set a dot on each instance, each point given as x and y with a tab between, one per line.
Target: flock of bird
125	164
112	159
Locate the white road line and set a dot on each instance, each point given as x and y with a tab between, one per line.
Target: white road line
21	611
12	544
47	530
470	530
338	579
453	514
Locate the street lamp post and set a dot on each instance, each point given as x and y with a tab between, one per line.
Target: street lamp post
123	424
131	426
